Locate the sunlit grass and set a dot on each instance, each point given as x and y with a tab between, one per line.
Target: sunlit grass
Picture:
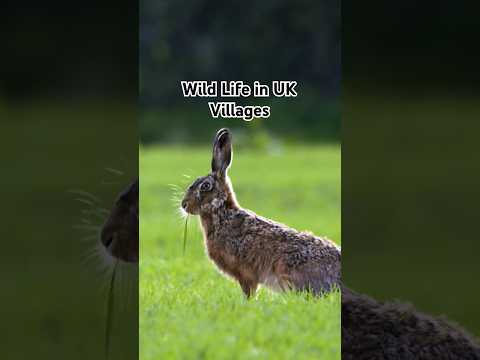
187	309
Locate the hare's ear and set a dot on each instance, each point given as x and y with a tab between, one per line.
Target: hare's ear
222	152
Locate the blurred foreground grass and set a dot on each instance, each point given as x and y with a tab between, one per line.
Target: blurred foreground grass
187	309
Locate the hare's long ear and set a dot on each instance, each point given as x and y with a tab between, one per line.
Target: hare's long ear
222	152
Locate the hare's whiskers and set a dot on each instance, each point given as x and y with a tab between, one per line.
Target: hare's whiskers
110	303
86	202
85	194
114	171
87	227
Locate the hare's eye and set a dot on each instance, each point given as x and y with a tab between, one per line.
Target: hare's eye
206	186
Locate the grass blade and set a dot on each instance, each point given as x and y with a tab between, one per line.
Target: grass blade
185	235
110	304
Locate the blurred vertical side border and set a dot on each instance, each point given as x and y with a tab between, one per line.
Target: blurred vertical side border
68	94
410	156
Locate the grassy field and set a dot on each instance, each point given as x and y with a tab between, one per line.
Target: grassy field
187	309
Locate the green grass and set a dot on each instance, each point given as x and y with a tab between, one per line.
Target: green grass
190	311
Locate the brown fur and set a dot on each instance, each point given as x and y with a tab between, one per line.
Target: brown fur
252	249
378	331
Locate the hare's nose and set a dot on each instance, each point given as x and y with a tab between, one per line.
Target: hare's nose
184	204
106	236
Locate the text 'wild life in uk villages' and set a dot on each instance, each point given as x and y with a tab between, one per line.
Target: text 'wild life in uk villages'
238	89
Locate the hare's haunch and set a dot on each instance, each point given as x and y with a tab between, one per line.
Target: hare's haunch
382	330
252	249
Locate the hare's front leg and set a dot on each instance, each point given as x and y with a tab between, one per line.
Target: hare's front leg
249	286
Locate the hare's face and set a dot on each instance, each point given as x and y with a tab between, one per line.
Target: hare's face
213	191
204	193
120	232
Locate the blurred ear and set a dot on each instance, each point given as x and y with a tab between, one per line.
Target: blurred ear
222	152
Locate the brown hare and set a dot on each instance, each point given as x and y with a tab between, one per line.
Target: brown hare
252	249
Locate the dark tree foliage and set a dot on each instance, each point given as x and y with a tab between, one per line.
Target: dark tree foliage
247	40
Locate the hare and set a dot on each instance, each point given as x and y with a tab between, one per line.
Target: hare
250	248
384	331
119	234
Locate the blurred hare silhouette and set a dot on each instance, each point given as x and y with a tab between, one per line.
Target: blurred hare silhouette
119	238
250	248
119	233
375	330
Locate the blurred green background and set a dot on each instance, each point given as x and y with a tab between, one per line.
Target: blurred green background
410	200
54	282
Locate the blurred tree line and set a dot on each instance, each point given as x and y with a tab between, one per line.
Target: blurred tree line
241	40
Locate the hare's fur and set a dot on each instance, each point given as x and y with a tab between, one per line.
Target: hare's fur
376	330
252	249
